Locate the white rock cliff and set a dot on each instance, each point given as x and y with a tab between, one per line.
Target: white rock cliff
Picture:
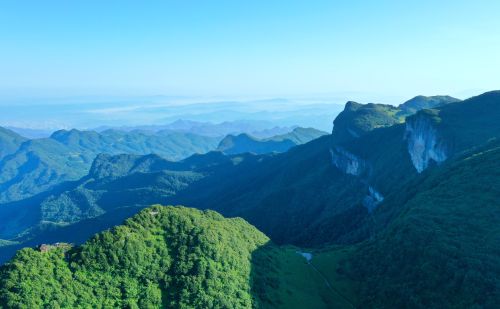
423	142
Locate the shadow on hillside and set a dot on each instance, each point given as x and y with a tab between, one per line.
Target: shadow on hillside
264	277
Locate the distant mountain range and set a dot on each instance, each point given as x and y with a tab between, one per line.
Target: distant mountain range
242	143
261	129
32	166
400	201
37	117
191	182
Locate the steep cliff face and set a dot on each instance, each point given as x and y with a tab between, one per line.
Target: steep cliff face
424	143
372	199
347	162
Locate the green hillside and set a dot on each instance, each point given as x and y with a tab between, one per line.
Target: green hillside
299	135
9	142
245	143
113	182
173	257
242	143
399	214
165	256
422	102
317	193
441	249
358	119
38	165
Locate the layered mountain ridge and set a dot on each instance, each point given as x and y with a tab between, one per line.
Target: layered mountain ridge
242	143
384	192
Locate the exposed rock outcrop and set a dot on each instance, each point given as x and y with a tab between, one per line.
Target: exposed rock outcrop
424	143
347	162
372	199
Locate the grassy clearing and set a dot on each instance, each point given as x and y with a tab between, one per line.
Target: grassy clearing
328	262
303	285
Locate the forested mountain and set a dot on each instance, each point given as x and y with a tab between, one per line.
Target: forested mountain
32	166
438	245
281	143
39	164
163	257
299	135
317	193
9	142
400	205
115	187
422	102
242	143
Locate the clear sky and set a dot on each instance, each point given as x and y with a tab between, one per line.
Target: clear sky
233	48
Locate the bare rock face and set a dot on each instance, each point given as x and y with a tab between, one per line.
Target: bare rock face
347	162
424	144
372	199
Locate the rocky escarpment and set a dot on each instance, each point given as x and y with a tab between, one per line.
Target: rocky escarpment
372	199
350	164
347	162
424	143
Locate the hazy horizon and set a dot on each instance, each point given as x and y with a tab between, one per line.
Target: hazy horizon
384	50
114	63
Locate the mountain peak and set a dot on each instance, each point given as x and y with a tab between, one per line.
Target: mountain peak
106	165
10	141
357	119
425	102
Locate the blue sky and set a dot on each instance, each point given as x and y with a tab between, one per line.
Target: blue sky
384	49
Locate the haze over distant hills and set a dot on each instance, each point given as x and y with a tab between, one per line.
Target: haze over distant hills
396	201
37	117
235	144
32	166
257	128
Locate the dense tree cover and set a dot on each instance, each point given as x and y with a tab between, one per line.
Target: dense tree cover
442	247
174	257
298	197
470	123
95	195
432	242
33	166
358	119
116	184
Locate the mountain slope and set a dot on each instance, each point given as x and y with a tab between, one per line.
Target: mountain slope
9	142
258	128
411	208
441	248
422	102
281	143
170	257
130	182
299	135
324	191
245	143
164	256
40	164
358	119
